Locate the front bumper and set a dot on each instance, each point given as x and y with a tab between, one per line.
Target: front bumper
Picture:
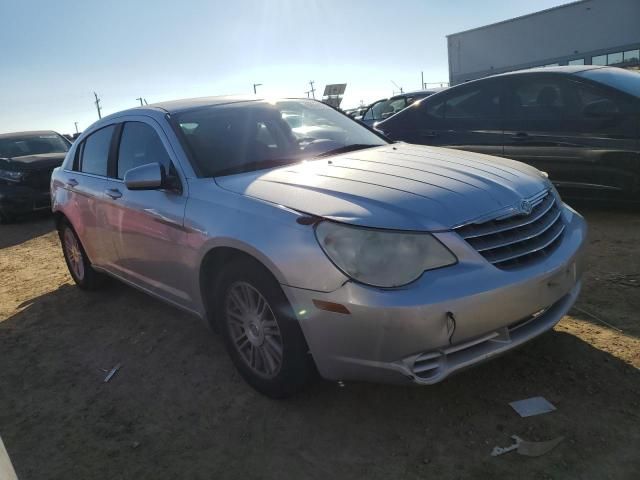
19	199
447	320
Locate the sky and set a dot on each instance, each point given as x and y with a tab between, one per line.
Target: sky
55	53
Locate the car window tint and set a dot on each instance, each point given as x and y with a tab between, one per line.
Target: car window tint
95	151
473	106
597	110
536	104
140	145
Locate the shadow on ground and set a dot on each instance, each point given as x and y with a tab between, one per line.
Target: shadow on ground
25	228
178	409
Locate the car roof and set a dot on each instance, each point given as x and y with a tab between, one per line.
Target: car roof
174	106
31	133
568	69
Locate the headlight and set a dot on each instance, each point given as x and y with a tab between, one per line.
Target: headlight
11	175
381	258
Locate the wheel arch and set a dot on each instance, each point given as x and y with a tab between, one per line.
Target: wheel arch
211	267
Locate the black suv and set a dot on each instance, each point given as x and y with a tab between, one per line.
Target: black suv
26	162
579	124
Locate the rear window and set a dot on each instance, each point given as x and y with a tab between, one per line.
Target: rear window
624	80
95	152
23	145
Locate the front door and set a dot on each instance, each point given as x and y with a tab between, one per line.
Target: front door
466	118
146	226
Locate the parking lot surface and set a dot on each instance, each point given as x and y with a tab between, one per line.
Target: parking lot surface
177	408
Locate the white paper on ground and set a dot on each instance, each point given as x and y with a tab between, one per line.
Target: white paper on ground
532	406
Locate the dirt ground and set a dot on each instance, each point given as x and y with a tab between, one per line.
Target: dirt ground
178	409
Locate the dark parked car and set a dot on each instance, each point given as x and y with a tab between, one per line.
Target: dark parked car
382	109
579	124
26	162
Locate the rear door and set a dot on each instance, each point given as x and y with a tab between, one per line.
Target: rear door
582	134
146	226
86	185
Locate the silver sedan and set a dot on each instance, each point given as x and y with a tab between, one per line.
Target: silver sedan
312	244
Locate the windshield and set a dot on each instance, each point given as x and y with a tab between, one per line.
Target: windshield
624	80
22	145
242	137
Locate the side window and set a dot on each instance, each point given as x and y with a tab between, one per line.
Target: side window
140	145
95	151
536	104
430	112
396	105
596	109
379	109
368	115
473	106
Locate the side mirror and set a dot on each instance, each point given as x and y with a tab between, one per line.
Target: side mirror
145	177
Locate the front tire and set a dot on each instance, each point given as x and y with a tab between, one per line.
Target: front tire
77	261
260	331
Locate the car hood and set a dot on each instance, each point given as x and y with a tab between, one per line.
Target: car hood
34	162
397	186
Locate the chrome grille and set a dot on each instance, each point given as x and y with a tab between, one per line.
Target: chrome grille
518	240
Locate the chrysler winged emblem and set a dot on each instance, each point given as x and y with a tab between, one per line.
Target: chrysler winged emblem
525	207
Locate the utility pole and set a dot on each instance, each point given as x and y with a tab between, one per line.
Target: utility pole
422	77
312	90
98	105
76	124
140	98
255	92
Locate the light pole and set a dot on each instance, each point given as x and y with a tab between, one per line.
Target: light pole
76	124
255	92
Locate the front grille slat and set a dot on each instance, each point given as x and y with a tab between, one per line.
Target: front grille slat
548	222
498	226
520	240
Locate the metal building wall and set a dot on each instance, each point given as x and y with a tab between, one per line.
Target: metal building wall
577	30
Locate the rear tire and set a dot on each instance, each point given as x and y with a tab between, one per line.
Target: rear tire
260	331
76	258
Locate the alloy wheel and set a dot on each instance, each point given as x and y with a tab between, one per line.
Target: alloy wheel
74	253
254	330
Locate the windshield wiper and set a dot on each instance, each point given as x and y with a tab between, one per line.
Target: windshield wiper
345	149
253	166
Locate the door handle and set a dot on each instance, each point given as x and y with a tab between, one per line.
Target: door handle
429	134
113	193
520	136
72	182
